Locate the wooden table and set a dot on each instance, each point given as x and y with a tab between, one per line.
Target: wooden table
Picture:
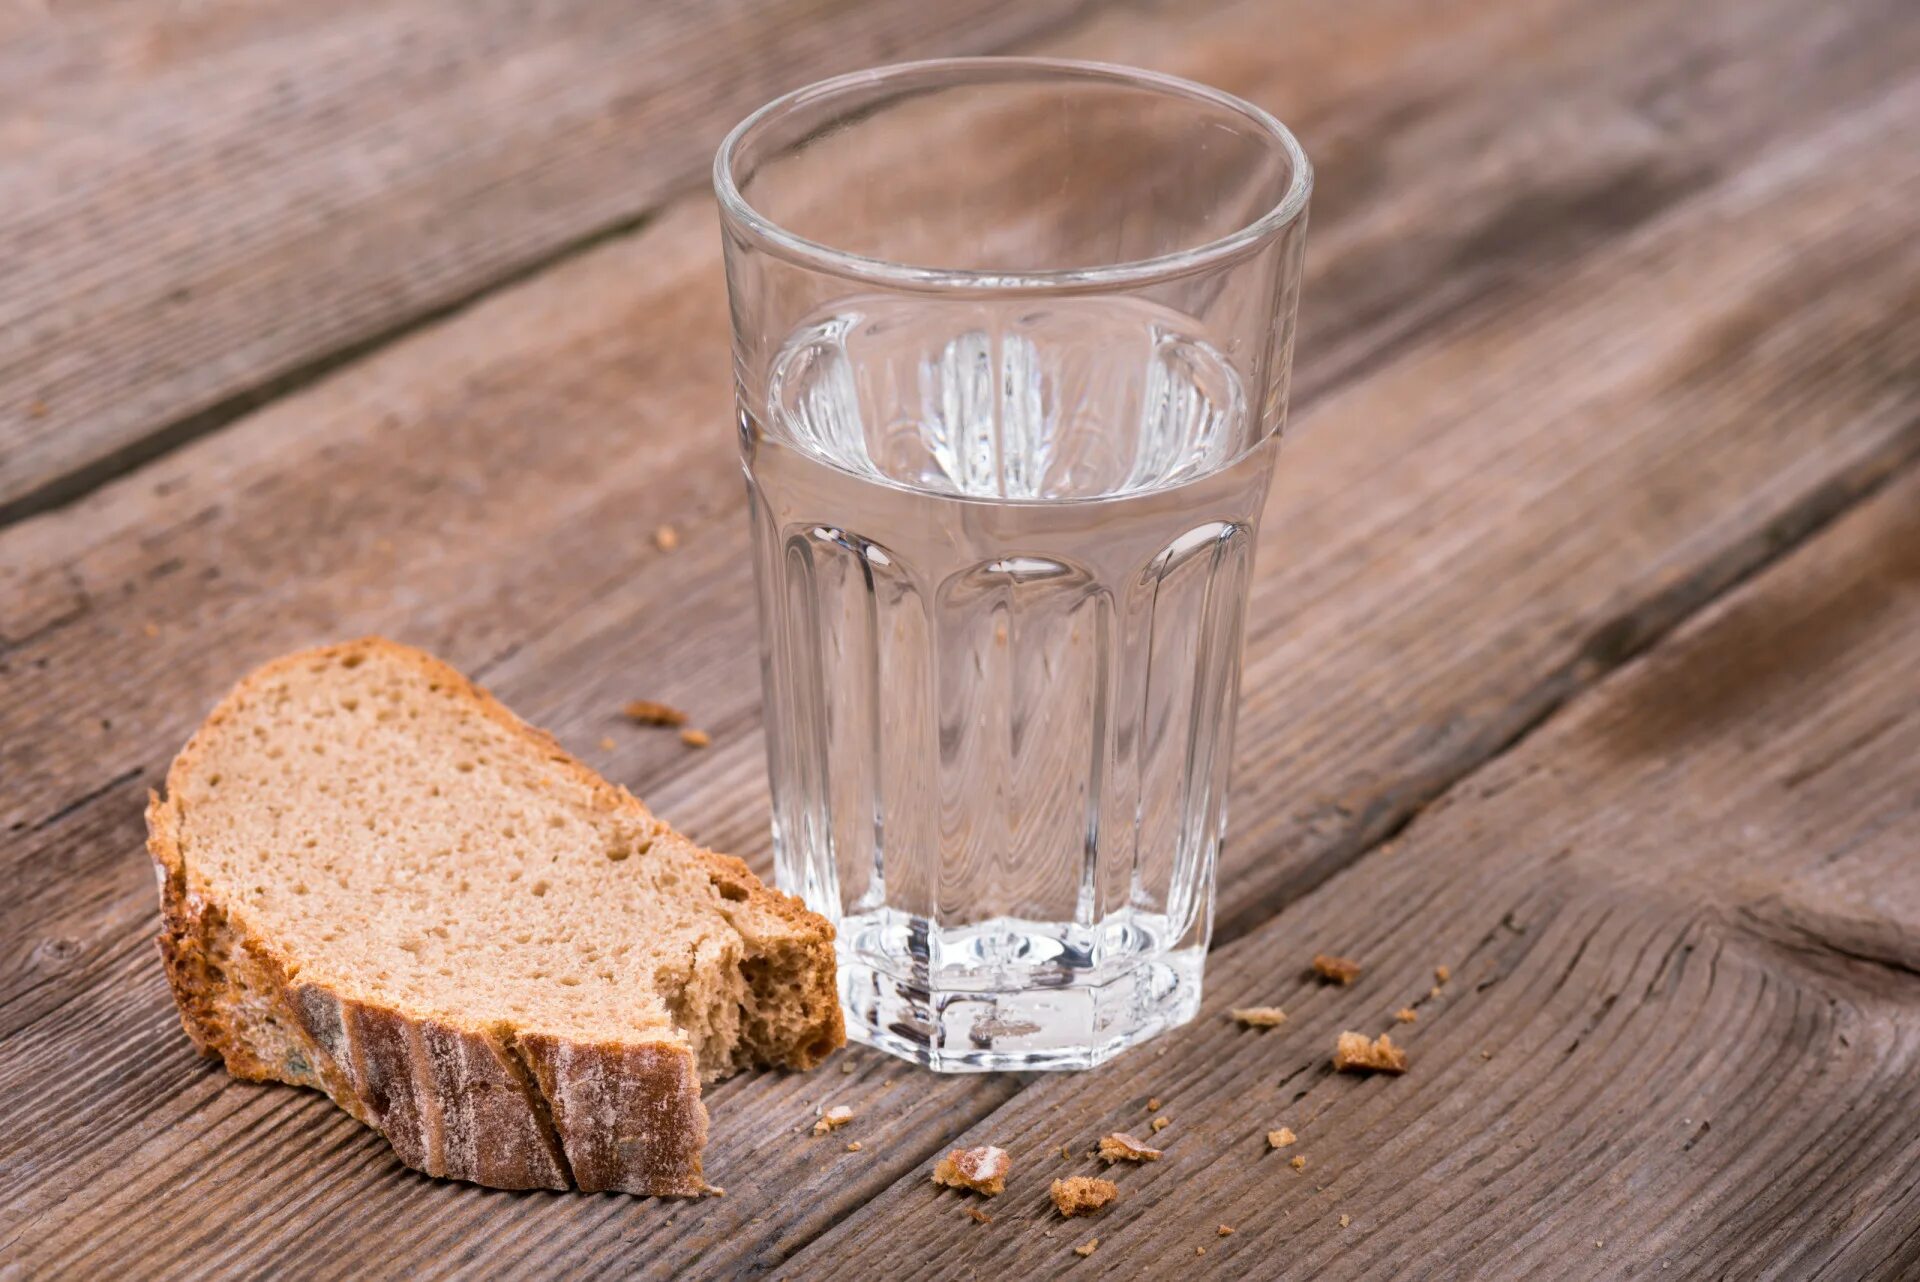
1584	660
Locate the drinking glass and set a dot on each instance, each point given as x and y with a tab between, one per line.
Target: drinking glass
1012	339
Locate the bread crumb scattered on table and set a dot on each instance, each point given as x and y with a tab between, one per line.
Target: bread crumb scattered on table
649	713
1225	1230
847	1067
833	1119
1338	970
1298	1163
606	743
695	738
1122	1147
1442	973
1353	1053
983	1169
1258	1016
853	1146
1281	1138
1434	991
978	1216
1345	1220
1406	1014
1087	1247
1082	1194
1199	1250
666	538
1160	1123
1153	1104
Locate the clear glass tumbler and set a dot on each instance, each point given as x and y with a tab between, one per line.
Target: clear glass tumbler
1011	346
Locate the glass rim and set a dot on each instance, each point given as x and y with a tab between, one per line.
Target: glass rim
794	248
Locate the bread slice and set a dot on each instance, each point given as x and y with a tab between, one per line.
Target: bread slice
378	883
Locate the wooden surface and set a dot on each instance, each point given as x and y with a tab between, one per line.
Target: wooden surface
1583	656
204	206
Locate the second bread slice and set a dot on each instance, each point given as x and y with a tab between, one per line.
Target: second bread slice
379	883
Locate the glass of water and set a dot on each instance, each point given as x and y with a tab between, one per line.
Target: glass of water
1011	346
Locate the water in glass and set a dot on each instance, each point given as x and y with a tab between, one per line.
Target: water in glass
1002	555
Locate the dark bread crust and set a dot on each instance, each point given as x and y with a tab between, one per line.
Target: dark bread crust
484	1104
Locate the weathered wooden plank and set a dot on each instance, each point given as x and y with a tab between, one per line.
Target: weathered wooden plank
200	206
1660	1047
590	347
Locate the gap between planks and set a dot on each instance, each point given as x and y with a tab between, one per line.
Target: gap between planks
135	453
1610	646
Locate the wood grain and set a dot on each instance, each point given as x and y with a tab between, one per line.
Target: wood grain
1605	328
1662	1046
204	205
414	497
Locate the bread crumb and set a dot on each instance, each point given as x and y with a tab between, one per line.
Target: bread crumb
833	1119
1225	1230
847	1068
1066	1151
1337	970
1153	1104
1258	1016
1160	1123
1298	1163
1199	1250
1122	1147
695	738
666	538
1442	973
983	1169
853	1146
1280	1138
1345	1220
1406	1014
151	629
1353	1053
1082	1194
1087	1247
978	1216
649	713
1486	1054
606	743
36	409
1434	991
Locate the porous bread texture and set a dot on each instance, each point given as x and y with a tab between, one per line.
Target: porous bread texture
377	882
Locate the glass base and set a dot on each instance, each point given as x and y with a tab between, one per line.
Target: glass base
970	1029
